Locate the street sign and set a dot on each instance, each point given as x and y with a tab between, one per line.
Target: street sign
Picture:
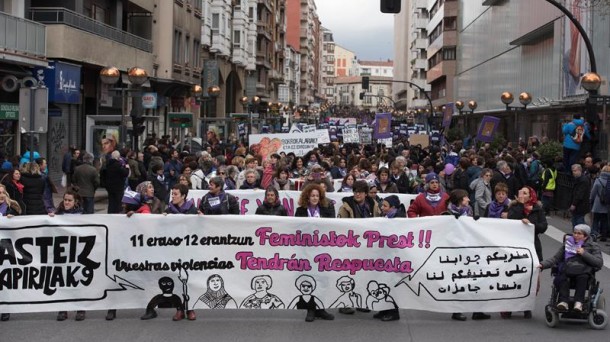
39	98
149	100
602	100
180	120
9	111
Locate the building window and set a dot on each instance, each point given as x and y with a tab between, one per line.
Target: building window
237	38
215	21
177	46
449	53
196	52
187	51
450	23
98	13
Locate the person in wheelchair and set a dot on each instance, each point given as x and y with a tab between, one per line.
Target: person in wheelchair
578	259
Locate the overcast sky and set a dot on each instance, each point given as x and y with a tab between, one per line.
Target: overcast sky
359	26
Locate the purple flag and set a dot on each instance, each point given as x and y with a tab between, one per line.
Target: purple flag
448	114
487	129
383	126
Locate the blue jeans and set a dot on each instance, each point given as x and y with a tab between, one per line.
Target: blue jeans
577	219
570	157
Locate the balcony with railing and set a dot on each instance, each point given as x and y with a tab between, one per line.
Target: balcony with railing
22	39
58	15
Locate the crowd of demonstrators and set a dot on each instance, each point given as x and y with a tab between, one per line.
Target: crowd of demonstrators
498	182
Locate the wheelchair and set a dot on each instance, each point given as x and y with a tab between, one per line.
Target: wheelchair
592	308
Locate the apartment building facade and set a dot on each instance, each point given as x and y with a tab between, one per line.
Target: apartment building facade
22	49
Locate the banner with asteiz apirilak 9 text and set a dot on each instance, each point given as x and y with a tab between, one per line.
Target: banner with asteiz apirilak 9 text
91	262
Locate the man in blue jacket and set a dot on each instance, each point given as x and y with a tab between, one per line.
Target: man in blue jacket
574	133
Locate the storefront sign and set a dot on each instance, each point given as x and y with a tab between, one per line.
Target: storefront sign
63	81
9	111
149	100
180	120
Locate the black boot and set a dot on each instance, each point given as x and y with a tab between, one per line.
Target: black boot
62	315
480	316
311	316
321	313
80	315
458	316
111	315
5	317
150	314
389	315
347	311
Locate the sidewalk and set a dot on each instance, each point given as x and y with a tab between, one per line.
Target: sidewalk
559	221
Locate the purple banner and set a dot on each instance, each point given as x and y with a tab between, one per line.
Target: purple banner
383	126
448	114
487	129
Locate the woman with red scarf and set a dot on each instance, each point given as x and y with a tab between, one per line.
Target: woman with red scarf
14	187
527	209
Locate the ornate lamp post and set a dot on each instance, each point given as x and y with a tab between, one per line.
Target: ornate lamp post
525	99
137	77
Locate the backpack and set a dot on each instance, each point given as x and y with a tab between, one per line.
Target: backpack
579	134
604	197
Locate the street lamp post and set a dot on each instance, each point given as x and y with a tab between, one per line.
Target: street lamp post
472	105
213	92
137	76
524	98
250	103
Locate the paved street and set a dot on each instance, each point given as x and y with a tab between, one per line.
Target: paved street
285	325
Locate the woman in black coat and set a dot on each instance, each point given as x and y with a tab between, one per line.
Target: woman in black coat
33	189
272	204
115	177
313	203
527	209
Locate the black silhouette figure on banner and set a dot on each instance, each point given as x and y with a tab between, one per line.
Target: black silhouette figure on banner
379	299
307	301
166	299
216	297
348	300
261	298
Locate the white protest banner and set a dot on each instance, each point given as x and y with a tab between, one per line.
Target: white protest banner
387	142
249	200
323	136
268	144
366	135
309	128
444	264
342	121
350	135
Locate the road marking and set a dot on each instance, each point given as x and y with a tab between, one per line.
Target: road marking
557	234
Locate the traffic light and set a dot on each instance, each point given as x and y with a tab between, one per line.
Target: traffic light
138	125
365	83
390	6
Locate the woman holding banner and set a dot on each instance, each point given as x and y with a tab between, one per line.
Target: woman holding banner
313	203
458	205
272	204
527	209
8	209
71	205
